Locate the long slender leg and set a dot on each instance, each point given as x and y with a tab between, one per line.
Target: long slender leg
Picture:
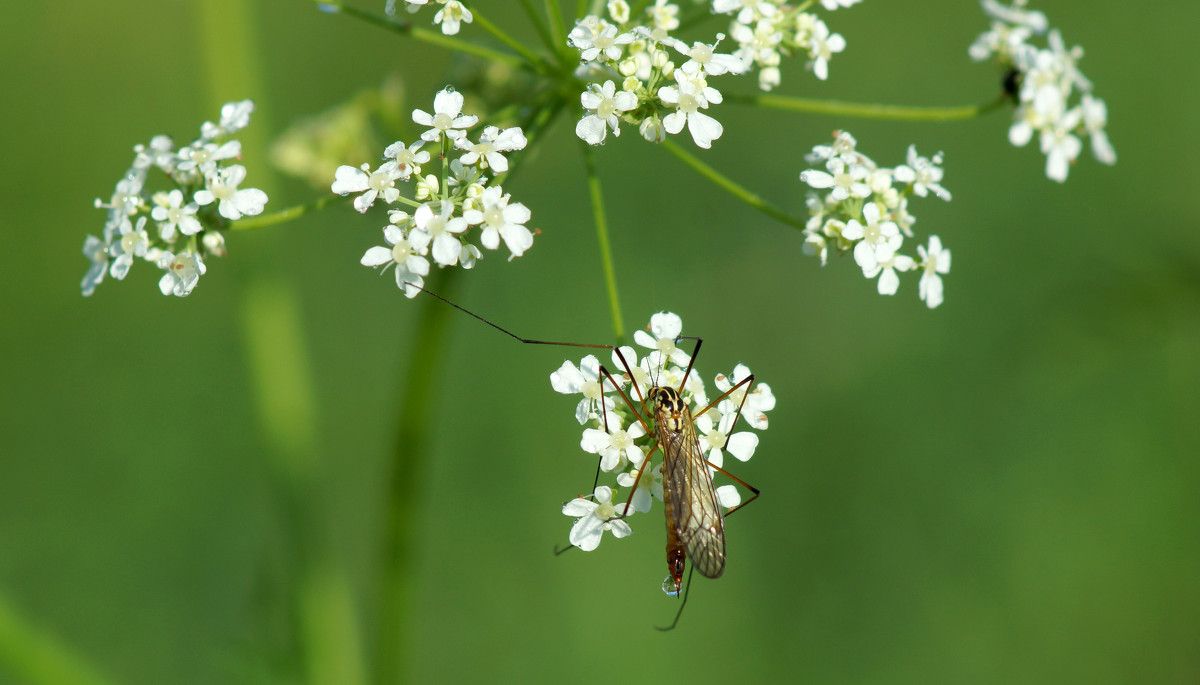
686	591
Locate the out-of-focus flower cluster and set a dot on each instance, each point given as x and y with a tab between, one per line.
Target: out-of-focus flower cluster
623	443
451	16
866	211
639	73
437	218
1054	98
176	228
766	31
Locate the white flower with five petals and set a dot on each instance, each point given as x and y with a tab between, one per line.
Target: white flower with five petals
447	118
411	266
595	516
440	230
222	187
501	220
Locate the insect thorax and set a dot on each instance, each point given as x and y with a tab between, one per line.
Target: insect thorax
669	408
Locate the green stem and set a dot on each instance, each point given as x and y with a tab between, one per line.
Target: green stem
535	61
555	17
730	186
601	221
425	35
284	215
865	110
539	25
31	655
414	410
312	592
545	110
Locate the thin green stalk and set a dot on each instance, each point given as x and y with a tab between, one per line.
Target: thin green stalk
544	112
284	215
865	110
417	388
539	25
315	593
426	35
29	654
530	56
606	260
730	186
555	18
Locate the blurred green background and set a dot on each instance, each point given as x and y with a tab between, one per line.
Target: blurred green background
1002	490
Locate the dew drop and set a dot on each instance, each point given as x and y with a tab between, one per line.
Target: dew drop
670	587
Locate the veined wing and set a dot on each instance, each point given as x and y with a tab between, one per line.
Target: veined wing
687	482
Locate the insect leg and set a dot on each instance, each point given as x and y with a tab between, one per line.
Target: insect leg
686	591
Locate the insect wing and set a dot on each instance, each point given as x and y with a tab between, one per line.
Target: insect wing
687	483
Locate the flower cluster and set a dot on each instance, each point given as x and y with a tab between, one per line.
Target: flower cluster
443	208
451	16
617	433
768	30
866	210
1044	82
633	76
187	218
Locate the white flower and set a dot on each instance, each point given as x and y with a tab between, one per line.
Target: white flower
585	380
500	220
665	328
97	252
203	157
702	58
886	269
606	105
446	118
491	143
615	446
689	97
599	41
831	5
759	401
595	517
222	187
159	153
125	201
923	173
441	230
451	15
821	47
652	129
1016	15
1061	145
844	179
404	161
411	267
618	10
1095	117
183	272
843	147
235	116
664	16
172	214
382	181
933	262
715	439
878	241
648	488
132	242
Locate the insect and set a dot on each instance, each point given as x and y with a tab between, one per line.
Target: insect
693	510
695	524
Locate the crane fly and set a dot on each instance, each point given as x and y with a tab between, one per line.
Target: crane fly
694	520
695	524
